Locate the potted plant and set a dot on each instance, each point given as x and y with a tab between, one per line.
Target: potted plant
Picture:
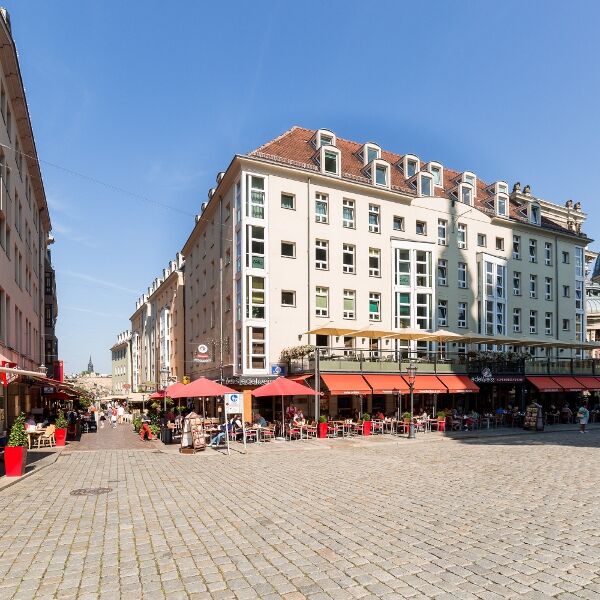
441	418
366	418
322	427
15	453
61	428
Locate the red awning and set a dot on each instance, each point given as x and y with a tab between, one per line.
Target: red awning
569	384
545	384
589	383
387	384
458	384
428	384
339	385
300	378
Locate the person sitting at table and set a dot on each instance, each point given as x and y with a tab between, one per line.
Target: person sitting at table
472	418
566	414
423	416
259	420
299	418
380	416
30	422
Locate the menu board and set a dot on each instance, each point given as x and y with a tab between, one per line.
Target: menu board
533	418
193	433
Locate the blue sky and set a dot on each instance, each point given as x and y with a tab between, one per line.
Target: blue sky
137	105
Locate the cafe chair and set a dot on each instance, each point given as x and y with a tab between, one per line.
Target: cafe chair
47	438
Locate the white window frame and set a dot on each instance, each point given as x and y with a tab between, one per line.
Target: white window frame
499	243
375	210
442	226
373	167
516	278
293	304
349	250
516	320
365	152
324	133
533	315
424	223
461	232
481	240
442	263
322	265
502	204
532	285
534	209
293	197
322	292
462	323
442	307
548	288
405	162
349	313
533	256
323	150
465	194
375	297
432	167
375	271
323	199
469	178
293	244
400	220
253	207
548	254
463	284
516	253
348	204
548	323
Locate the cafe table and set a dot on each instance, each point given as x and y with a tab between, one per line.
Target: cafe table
33	434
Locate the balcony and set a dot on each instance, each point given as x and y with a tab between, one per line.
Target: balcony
472	363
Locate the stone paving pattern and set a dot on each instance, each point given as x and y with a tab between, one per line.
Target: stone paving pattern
494	518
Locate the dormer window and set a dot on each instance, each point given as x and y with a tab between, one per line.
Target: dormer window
330	160
471	179
410	165
370	152
378	172
501	187
502	205
535	216
438	173
425	184
324	137
465	194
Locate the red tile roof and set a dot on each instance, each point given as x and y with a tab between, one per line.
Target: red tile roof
293	148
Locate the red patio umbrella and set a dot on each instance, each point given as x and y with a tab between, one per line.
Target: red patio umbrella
157	395
199	388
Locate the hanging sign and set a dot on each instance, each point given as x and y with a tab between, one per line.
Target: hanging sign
201	354
234	404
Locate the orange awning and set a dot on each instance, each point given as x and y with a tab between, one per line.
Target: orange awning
589	383
428	384
545	384
339	385
569	384
458	384
387	384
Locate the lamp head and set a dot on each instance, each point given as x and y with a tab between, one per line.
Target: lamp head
411	372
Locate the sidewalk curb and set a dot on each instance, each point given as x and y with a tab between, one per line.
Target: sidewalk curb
6	482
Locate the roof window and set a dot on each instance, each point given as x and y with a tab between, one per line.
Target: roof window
370	152
437	171
410	165
330	160
471	179
324	137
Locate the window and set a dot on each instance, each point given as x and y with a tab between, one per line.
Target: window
548	288
481	240
288	249
255	297
533	286
374	262
348	214
374	306
330	161
381	175
423	268
516	320
499	243
578	294
398	223
533	251
321	208
426	185
566	291
462	320
402	315
324	138
238	251
288	201
516	283
442	313
566	324
421	228
348	263
255	247
322	302
255	206
548	254
578	262
288	298
238	201
534	214
402	267
462	235
349	304
411	166
548	323
322	254
373	218
442	232
256	348
566	258
533	321
516	253
371	153
501	205
462	275
442	271
466	195
437	173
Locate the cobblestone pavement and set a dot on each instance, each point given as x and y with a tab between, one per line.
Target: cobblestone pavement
493	518
120	437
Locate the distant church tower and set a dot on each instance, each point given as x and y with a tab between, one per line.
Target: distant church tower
90	365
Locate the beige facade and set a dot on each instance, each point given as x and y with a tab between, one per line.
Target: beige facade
24	236
121	364
157	332
283	247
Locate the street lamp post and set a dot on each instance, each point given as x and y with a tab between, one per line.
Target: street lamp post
411	372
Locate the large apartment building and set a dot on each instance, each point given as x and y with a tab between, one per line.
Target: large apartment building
311	230
25	315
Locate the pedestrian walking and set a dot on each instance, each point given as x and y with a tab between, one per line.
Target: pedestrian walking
113	418
583	414
145	430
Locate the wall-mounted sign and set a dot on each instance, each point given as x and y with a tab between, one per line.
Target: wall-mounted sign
48	389
278	369
246	380
201	354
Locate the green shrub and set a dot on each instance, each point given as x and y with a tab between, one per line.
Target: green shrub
322	419
441	414
137	424
18	435
61	422
155	429
406	415
366	417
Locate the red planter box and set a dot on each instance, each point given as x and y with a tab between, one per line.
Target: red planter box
60	435
322	430
366	427
14	460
